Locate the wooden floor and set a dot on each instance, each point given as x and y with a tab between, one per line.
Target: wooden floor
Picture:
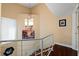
59	50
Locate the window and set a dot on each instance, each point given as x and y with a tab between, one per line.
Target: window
29	22
28	31
26	22
8	29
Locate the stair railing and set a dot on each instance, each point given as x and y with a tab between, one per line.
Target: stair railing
42	43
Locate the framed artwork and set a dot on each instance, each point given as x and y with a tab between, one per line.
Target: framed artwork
28	33
62	23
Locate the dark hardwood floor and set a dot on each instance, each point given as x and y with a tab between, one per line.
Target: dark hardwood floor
59	50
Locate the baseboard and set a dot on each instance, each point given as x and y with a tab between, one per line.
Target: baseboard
70	46
75	49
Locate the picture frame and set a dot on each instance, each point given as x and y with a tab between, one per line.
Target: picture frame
28	33
62	23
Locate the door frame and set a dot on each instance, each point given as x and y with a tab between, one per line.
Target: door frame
74	28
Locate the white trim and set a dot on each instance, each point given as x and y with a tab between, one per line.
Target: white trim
77	29
75	9
70	46
74	29
0	26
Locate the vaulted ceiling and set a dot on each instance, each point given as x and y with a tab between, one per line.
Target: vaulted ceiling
59	9
62	9
29	5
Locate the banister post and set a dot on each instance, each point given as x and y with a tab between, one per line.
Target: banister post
42	47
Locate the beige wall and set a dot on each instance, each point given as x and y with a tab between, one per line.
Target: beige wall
64	34
20	24
45	22
28	46
12	10
0	9
19	13
49	23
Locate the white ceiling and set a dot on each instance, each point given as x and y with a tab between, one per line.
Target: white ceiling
29	5
59	9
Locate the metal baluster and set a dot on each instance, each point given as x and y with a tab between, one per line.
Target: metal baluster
42	47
